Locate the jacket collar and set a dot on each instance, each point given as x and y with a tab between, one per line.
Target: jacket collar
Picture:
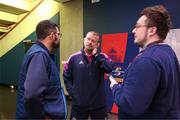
43	46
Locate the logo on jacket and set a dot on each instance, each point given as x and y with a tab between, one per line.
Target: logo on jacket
81	62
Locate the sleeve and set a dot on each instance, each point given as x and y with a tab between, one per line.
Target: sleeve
134	96
105	62
67	76
35	85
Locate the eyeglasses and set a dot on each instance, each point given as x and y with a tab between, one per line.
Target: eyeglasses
59	34
138	26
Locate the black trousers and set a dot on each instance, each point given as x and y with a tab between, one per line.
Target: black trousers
84	113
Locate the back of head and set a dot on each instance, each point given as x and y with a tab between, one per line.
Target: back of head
159	17
44	28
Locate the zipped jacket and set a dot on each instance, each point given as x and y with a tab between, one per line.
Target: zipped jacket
151	87
39	88
84	80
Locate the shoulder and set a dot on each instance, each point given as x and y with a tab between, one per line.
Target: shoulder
159	49
74	56
145	65
159	52
36	49
40	56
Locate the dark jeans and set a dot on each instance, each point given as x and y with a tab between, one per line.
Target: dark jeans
84	113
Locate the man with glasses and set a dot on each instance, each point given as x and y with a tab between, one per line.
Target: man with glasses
84	79
40	95
151	87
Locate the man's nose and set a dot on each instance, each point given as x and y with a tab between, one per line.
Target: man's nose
89	41
133	31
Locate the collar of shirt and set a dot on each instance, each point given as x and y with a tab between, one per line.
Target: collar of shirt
147	47
89	57
151	44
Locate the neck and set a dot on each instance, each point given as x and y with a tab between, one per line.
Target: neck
88	52
152	40
47	45
151	43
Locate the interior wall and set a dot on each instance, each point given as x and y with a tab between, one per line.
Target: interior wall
10	65
11	47
120	16
10	62
46	10
71	26
114	16
0	70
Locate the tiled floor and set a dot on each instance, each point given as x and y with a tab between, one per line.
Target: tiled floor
8	104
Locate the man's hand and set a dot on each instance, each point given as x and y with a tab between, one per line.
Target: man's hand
113	81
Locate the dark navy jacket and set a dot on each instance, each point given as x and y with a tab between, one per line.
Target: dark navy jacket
39	88
151	87
85	81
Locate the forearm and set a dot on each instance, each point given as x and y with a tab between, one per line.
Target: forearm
105	63
35	85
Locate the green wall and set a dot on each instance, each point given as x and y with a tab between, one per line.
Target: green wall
71	26
0	70
10	63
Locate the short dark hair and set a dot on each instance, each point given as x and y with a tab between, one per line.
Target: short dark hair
44	28
159	17
94	33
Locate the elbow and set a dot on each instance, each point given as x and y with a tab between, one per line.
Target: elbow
34	94
29	96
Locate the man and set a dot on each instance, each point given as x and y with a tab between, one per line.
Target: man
40	95
151	87
84	79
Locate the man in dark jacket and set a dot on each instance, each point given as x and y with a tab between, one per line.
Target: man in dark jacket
151	87
40	95
84	79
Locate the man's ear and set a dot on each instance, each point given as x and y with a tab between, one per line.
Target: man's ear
51	35
152	30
